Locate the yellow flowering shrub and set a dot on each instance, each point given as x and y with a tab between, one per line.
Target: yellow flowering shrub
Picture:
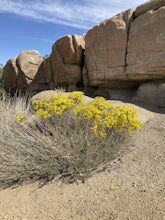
102	117
74	136
21	119
57	104
105	118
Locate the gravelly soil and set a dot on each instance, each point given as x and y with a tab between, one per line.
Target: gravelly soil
131	188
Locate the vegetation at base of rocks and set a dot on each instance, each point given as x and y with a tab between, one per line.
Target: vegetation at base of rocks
1	70
60	137
2	91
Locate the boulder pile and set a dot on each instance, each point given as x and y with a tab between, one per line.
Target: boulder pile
119	54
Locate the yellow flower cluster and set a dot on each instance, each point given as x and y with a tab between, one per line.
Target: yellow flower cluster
57	104
104	117
21	119
100	114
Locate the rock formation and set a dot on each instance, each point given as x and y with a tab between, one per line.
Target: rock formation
124	51
105	52
64	65
119	53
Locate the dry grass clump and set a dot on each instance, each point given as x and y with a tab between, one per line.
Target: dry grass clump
58	139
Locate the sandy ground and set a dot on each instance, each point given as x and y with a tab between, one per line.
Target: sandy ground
131	188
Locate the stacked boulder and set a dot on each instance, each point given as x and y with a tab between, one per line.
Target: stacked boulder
120	53
19	71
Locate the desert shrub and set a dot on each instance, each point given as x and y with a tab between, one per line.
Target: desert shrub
99	115
1	69
62	136
3	92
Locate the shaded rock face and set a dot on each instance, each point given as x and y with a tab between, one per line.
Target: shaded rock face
39	81
152	92
48	72
10	74
13	79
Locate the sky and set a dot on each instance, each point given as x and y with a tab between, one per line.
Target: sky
37	24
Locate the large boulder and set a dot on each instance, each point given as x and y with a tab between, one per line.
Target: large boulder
28	62
18	73
105	51
146	46
66	58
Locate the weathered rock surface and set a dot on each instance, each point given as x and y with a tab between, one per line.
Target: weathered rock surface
43	79
150	5
39	82
146	46
67	60
48	72
105	50
28	63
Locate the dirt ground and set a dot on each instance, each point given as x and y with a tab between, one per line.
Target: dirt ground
131	188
